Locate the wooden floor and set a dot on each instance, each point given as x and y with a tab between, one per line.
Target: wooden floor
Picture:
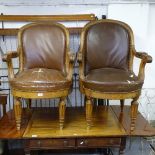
43	123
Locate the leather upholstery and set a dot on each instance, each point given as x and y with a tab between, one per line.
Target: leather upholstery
107	45
44	47
112	80
40	79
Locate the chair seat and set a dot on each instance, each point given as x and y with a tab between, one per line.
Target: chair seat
112	80
40	79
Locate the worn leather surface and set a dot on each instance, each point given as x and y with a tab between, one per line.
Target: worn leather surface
112	80
40	79
107	45
44	47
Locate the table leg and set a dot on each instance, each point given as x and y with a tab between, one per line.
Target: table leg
27	152
122	147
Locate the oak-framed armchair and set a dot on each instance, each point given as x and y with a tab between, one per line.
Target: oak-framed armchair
105	59
45	66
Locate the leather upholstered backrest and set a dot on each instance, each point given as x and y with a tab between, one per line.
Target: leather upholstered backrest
43	46
106	45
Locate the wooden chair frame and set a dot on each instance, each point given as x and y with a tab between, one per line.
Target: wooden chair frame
145	58
15	54
62	94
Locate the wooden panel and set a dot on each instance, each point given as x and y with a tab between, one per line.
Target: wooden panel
142	127
50	143
34	18
98	142
45	124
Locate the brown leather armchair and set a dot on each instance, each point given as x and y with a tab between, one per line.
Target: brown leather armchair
106	65
45	66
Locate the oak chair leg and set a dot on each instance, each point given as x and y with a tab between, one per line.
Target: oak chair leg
62	108
122	104
89	109
18	112
134	111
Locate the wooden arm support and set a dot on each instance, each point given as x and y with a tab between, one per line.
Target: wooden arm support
8	59
145	58
9	56
79	57
72	57
81	71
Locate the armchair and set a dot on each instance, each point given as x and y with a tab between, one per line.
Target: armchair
106	65
45	66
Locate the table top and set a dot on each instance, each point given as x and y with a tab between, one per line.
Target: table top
108	121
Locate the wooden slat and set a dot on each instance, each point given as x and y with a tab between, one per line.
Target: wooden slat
8	32
14	31
36	18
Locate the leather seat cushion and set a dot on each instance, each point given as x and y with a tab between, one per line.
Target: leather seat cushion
112	80
40	79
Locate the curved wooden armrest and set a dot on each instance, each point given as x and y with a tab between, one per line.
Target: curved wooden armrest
8	59
145	58
142	55
9	56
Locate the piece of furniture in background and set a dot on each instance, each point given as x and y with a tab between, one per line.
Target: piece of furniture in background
3	100
45	66
106	65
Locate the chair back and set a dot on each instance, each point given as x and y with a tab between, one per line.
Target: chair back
43	45
107	45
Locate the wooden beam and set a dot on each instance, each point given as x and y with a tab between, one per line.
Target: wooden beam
36	18
14	31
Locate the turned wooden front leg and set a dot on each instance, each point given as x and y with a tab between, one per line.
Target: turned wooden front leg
134	111
89	109
18	112
62	108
